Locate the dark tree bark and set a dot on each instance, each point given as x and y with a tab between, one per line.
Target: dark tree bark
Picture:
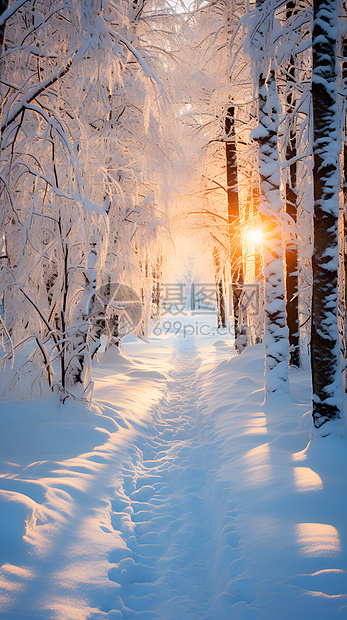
233	217
157	276
220	297
325	349
292	285
344	211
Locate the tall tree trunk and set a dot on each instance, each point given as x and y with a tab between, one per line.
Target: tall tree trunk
220	297
344	211
292	284
157	276
325	350
235	238
276	330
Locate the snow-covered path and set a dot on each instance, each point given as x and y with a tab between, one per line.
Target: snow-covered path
181	496
136	527
166	508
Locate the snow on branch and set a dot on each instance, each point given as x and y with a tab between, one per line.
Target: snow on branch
36	90
11	10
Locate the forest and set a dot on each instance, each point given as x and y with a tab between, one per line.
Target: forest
152	150
98	106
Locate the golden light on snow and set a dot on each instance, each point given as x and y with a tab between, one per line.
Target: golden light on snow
306	479
13	579
257	425
318	539
258	467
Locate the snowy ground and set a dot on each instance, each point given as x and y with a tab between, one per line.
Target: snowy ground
180	496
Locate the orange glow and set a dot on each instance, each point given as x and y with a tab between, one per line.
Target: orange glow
254	236
306	479
252	246
258	467
318	539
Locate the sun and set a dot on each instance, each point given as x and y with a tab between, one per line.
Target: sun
254	236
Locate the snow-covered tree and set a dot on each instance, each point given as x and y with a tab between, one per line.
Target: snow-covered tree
325	348
266	134
78	120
